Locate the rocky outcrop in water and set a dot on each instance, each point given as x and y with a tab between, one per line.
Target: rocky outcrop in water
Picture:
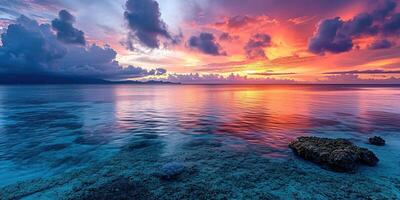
378	141
335	154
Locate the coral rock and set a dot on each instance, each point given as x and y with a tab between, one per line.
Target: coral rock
335	154
377	141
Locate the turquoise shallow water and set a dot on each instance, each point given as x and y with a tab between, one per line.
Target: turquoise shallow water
70	142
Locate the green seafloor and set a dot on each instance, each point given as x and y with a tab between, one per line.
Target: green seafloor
130	142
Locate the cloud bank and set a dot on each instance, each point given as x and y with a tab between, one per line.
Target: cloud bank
355	79
30	48
336	35
195	78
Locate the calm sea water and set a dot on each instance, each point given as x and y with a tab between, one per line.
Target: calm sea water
48	132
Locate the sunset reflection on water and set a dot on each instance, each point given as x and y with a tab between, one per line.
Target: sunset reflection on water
264	115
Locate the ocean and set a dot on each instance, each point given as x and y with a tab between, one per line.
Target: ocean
79	141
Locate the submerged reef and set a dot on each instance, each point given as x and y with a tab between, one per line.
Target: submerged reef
118	189
207	172
336	154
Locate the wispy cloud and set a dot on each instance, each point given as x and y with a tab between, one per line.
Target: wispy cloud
374	71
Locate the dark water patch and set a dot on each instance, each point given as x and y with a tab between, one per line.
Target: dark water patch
54	147
342	114
359	128
66	125
74	107
202	142
148	136
40	120
140	144
33	144
102	134
66	161
33	153
204	130
26	156
91	140
42	116
317	122
25	102
382	119
100	102
374	121
397	183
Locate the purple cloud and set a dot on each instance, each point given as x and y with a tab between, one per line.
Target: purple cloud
355	79
381	44
227	37
336	36
375	71
392	26
65	30
255	46
237	21
145	24
206	43
42	53
329	38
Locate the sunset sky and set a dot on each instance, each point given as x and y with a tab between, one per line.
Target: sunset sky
204	41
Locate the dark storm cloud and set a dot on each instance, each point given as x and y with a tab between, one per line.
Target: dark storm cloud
329	38
381	44
32	49
359	25
28	47
99	62
392	26
206	43
384	8
145	24
255	46
65	30
336	36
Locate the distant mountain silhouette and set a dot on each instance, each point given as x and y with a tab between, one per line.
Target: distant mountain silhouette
22	79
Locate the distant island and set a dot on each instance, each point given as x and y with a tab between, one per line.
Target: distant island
19	79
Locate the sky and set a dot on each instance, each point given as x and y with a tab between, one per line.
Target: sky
204	41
